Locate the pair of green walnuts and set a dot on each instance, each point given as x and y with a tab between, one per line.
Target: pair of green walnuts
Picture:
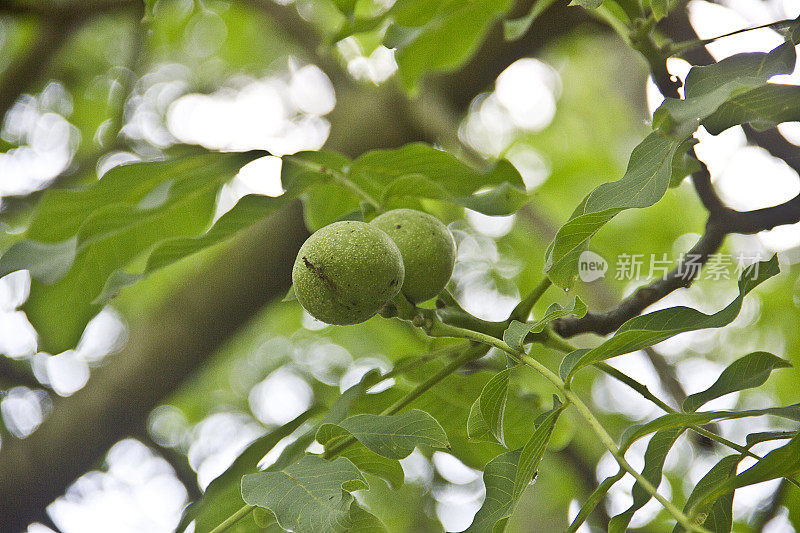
347	271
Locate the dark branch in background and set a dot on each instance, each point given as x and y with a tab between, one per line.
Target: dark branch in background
669	379
776	144
603	294
722	220
667	375
705	191
682	276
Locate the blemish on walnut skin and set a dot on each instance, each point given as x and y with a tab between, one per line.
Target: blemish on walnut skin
317	271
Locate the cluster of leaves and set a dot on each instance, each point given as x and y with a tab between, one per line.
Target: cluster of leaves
427	35
711	94
144	216
84	245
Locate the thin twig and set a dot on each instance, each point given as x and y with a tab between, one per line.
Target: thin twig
678	48
523	310
445	330
722	221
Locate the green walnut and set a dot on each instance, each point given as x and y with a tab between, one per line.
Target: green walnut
428	249
346	271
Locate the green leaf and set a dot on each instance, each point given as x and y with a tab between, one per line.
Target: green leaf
336	186
794	31
377	171
682	420
654	457
516	332
683	164
47	262
780	462
650	171
644	183
328	194
110	223
339	410
303	169
720	515
745	70
448	40
477	428
498	476
265	519
507	475
503	199
708	87
764	436
392	436
533	451
587	4
652	328
762	108
569	361
222	498
514	29
449	402
660	8
492	403
61	212
366	460
747	372
594	498
370	462
312	494
290	295
247	211
362	521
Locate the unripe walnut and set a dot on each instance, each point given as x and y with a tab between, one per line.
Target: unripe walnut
428	249
346	271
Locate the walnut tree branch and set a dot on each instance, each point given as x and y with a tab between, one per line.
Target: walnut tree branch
722	221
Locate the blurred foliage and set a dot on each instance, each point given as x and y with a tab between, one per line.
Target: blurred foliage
134	236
